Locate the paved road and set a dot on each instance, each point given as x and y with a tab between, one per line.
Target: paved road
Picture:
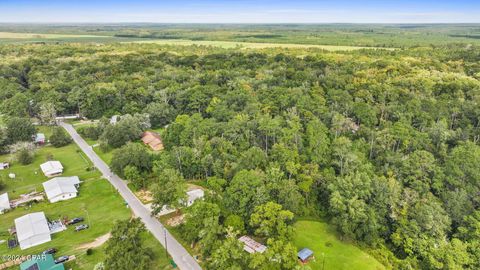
175	249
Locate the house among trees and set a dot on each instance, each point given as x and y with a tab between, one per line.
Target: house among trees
52	168
40	139
43	262
114	119
32	230
61	188
194	195
4	203
153	140
252	246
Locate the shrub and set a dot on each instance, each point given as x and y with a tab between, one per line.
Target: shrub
89	252
59	137
25	156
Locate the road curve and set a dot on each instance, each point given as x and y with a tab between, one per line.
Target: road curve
179	254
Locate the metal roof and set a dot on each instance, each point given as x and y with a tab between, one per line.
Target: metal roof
4	202
60	185
32	225
304	254
51	167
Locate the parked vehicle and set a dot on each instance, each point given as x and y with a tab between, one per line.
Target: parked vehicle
61	259
75	221
49	251
81	227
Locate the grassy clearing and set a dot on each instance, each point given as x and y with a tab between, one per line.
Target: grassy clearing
11	35
30	177
323	240
250	45
97	202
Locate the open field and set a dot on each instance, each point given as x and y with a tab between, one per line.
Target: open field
249	45
45	36
322	239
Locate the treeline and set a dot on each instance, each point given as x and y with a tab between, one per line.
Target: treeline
385	144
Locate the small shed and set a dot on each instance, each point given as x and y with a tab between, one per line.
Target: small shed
4	203
114	119
4	165
41	262
194	195
40	138
52	168
304	254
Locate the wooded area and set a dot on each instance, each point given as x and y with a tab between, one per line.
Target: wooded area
384	144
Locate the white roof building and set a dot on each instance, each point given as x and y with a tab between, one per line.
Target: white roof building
52	168
251	246
61	188
32	230
194	195
4	202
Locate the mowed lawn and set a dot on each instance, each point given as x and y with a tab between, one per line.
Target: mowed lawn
30	177
322	239
98	203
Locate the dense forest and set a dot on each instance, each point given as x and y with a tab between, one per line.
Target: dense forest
383	144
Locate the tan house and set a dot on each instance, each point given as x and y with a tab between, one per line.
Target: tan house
153	140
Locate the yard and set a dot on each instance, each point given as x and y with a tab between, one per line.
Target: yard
30	177
329	251
98	203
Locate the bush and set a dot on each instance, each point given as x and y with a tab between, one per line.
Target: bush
89	252
59	137
25	156
91	132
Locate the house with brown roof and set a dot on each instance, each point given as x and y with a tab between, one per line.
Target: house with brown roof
153	140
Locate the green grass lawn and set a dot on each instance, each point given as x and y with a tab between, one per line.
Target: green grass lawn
30	177
97	202
323	240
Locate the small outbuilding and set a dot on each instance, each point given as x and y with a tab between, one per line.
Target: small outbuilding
4	203
52	168
40	138
251	246
4	165
41	262
153	140
114	119
61	188
194	195
304	254
32	230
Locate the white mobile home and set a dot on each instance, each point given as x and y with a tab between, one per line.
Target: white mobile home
61	188
32	230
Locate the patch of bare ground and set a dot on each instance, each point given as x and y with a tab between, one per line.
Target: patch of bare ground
97	242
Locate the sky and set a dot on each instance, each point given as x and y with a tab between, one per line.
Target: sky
240	11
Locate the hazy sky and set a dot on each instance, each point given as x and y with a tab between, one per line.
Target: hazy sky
242	11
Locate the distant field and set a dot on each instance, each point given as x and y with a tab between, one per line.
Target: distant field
249	45
8	35
322	239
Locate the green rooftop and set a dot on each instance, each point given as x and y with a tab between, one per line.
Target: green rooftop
41	262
